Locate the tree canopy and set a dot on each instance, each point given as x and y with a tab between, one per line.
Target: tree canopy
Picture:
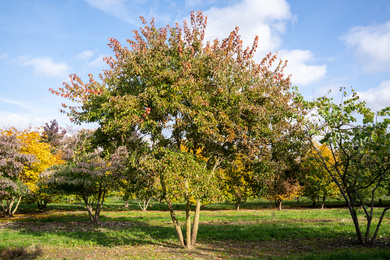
175	89
360	155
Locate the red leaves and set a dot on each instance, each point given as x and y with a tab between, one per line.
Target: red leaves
147	110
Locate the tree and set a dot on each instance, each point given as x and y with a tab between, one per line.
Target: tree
182	178
360	156
286	146
179	91
31	143
282	188
237	180
13	164
318	184
87	173
53	133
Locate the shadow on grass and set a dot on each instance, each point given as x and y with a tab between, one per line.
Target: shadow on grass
83	233
118	233
248	240
20	253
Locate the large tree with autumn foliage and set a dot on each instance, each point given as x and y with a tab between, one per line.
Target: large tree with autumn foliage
178	90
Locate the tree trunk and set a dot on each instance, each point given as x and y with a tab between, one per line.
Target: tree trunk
356	223
9	209
379	223
42	204
2	205
89	206
10	203
175	222
188	224
90	213
145	204
126	204
16	207
238	203
195	225
279	205
323	202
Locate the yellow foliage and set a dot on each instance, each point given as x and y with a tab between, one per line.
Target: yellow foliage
318	182
32	144
235	181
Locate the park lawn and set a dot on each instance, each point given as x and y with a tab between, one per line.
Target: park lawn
223	234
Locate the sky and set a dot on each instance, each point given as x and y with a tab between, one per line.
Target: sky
328	44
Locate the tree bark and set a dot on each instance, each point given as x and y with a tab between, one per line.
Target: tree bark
10	203
356	223
379	223
145	204
2	205
238	203
176	223
16	207
279	205
188	224
195	225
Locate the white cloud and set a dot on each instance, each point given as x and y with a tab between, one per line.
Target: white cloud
97	63
46	67
20	121
31	118
85	55
377	98
18	103
3	56
115	8
264	18
371	45
302	73
195	3
22	114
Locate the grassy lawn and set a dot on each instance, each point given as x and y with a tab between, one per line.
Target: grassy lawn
257	231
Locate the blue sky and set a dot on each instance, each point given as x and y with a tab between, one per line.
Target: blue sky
329	44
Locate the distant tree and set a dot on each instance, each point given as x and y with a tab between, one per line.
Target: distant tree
281	188
318	184
13	163
46	156
360	155
53	133
236	184
287	144
87	173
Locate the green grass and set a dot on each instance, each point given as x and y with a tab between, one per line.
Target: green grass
351	255
64	231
